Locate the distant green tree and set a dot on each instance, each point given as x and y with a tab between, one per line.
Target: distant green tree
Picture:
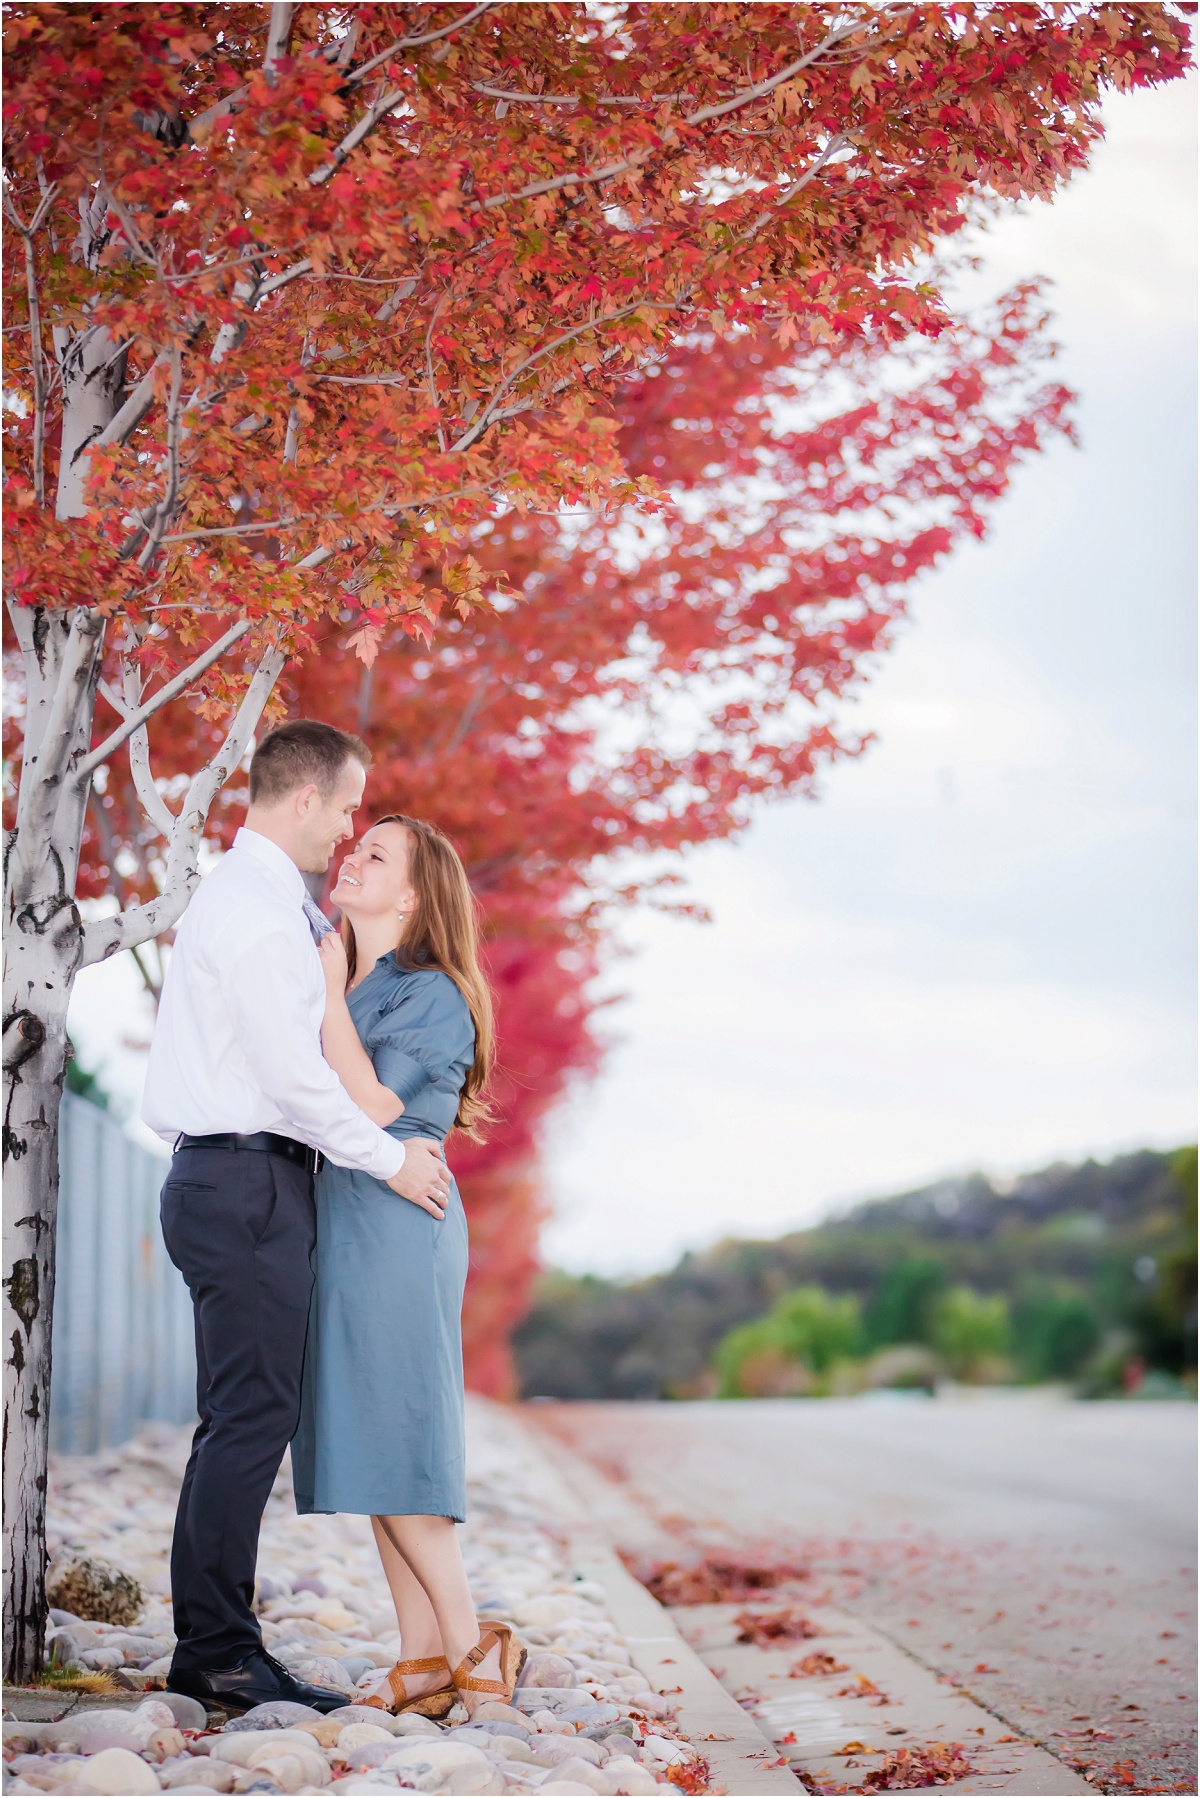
1055	1332
813	1326
902	1309
1162	1310
748	1342
970	1329
1090	1229
808	1326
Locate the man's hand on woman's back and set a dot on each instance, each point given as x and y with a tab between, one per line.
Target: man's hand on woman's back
424	1178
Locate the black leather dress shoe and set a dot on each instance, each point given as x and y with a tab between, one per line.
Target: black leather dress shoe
257	1679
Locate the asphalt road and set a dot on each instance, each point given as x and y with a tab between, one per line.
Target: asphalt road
1040	1552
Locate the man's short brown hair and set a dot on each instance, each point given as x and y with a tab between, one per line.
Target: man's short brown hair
297	754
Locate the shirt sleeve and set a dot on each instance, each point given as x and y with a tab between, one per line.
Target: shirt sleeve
426	1034
264	988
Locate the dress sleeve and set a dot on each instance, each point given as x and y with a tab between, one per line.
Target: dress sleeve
427	1032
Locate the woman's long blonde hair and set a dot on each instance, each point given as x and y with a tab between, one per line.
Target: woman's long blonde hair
443	933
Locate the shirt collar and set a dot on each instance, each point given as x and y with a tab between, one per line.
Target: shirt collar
273	858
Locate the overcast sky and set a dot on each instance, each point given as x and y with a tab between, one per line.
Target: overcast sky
976	949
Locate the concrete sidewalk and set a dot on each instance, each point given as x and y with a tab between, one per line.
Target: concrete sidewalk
809	1722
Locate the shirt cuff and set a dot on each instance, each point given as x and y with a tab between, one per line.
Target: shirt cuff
400	1072
388	1159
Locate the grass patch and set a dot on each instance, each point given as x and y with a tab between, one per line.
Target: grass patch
74	1679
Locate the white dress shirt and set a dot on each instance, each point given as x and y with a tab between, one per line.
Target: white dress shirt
237	1046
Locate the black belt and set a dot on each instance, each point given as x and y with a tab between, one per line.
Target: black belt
265	1141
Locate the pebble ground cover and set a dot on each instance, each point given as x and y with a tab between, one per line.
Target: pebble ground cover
584	1720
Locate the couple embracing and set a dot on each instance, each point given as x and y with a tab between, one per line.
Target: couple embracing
308	1080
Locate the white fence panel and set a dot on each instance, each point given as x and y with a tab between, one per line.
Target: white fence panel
123	1350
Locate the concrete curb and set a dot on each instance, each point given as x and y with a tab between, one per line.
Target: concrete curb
807	1725
903	1704
744	1762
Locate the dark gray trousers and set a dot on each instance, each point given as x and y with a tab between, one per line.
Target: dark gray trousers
240	1225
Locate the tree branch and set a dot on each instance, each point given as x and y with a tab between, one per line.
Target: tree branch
503	93
133	720
163	511
278	33
107	936
151	800
764	218
273	282
37	359
125	422
243	530
412	43
429	374
355	136
489	414
745	97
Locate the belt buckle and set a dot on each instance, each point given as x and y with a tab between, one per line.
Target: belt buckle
314	1161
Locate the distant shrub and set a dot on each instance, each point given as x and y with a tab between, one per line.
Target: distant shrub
970	1332
903	1306
905	1367
793	1349
1055	1332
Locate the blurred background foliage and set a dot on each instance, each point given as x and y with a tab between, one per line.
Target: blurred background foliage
1084	1274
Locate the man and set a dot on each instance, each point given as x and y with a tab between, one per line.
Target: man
237	1081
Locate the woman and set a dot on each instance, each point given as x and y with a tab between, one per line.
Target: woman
408	1029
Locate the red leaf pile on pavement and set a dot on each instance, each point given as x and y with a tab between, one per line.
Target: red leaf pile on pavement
907	1769
863	1688
691	1776
814	1665
714	1579
768	1627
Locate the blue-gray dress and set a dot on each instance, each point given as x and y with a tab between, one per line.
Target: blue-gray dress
381	1414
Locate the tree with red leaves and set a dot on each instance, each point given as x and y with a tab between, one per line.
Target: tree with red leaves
808	494
303	294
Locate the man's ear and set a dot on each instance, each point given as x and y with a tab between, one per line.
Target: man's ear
306	798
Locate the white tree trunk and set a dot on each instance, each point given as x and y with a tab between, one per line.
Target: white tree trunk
46	943
35	1054
43	946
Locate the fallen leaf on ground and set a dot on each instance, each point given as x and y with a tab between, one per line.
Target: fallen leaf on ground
713	1579
690	1776
814	1665
863	1688
767	1627
907	1769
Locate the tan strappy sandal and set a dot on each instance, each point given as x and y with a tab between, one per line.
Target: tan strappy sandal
492	1634
435	1704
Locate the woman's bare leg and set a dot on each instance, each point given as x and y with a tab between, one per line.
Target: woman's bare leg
420	1636
428	1548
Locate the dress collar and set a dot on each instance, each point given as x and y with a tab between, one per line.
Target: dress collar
274	859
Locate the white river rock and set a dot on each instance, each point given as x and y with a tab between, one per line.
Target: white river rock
325	1612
